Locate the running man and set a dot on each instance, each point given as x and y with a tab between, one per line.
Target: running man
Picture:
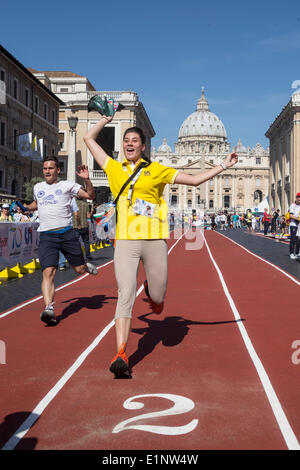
52	199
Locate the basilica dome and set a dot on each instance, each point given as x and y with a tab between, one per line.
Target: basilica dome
202	122
164	147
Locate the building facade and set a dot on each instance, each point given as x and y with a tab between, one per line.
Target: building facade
284	135
26	106
76	91
202	144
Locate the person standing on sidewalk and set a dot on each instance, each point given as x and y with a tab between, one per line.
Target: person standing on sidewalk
267	221
140	234
81	224
294	223
52	199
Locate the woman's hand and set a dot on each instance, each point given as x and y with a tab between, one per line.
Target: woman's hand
231	160
107	118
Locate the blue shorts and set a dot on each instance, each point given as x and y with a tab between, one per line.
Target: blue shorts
66	242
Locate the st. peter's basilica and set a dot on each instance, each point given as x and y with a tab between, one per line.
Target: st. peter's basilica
202	143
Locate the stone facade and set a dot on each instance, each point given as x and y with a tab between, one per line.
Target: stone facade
284	135
26	106
202	144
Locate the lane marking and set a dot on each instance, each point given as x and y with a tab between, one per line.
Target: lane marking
262	259
2	315
42	405
284	425
24	304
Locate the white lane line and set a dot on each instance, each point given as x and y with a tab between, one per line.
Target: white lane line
262	259
2	315
285	427
42	405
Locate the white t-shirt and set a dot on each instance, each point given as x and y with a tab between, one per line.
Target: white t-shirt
54	203
294	210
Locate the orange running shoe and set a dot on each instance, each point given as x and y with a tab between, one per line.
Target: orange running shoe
156	308
119	364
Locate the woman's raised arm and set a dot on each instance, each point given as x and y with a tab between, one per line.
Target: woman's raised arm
90	140
195	180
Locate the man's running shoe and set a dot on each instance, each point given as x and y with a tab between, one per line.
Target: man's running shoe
119	364
48	316
91	269
156	308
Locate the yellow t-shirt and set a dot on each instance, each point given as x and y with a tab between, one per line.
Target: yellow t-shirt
149	187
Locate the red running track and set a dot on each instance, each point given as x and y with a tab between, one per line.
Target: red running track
215	371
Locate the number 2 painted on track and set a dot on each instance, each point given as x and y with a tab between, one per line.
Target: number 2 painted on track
181	405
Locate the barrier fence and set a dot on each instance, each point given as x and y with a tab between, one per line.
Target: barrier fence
19	248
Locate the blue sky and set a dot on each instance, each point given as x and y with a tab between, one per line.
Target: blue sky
245	53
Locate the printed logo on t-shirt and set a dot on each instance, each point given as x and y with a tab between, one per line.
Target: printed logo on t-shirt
40	193
58	192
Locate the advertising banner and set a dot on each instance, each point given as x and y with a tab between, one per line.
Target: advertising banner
18	243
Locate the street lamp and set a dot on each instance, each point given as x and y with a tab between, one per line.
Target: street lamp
71	175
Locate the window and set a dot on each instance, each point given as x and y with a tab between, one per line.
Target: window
226	201
211	204
64	90
189	203
173	200
15	139
16	88
26	97
2	75
62	166
257	181
53	117
36	104
1	178
45	111
2	133
258	160
61	141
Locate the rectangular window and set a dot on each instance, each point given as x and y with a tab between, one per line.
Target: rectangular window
1	178
258	160
173	200
2	75
53	117
226	201
26	97
15	139
45	111
61	141
36	104
211	203
16	88
2	133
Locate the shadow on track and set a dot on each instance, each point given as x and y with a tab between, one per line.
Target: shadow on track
11	424
77	303
170	331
